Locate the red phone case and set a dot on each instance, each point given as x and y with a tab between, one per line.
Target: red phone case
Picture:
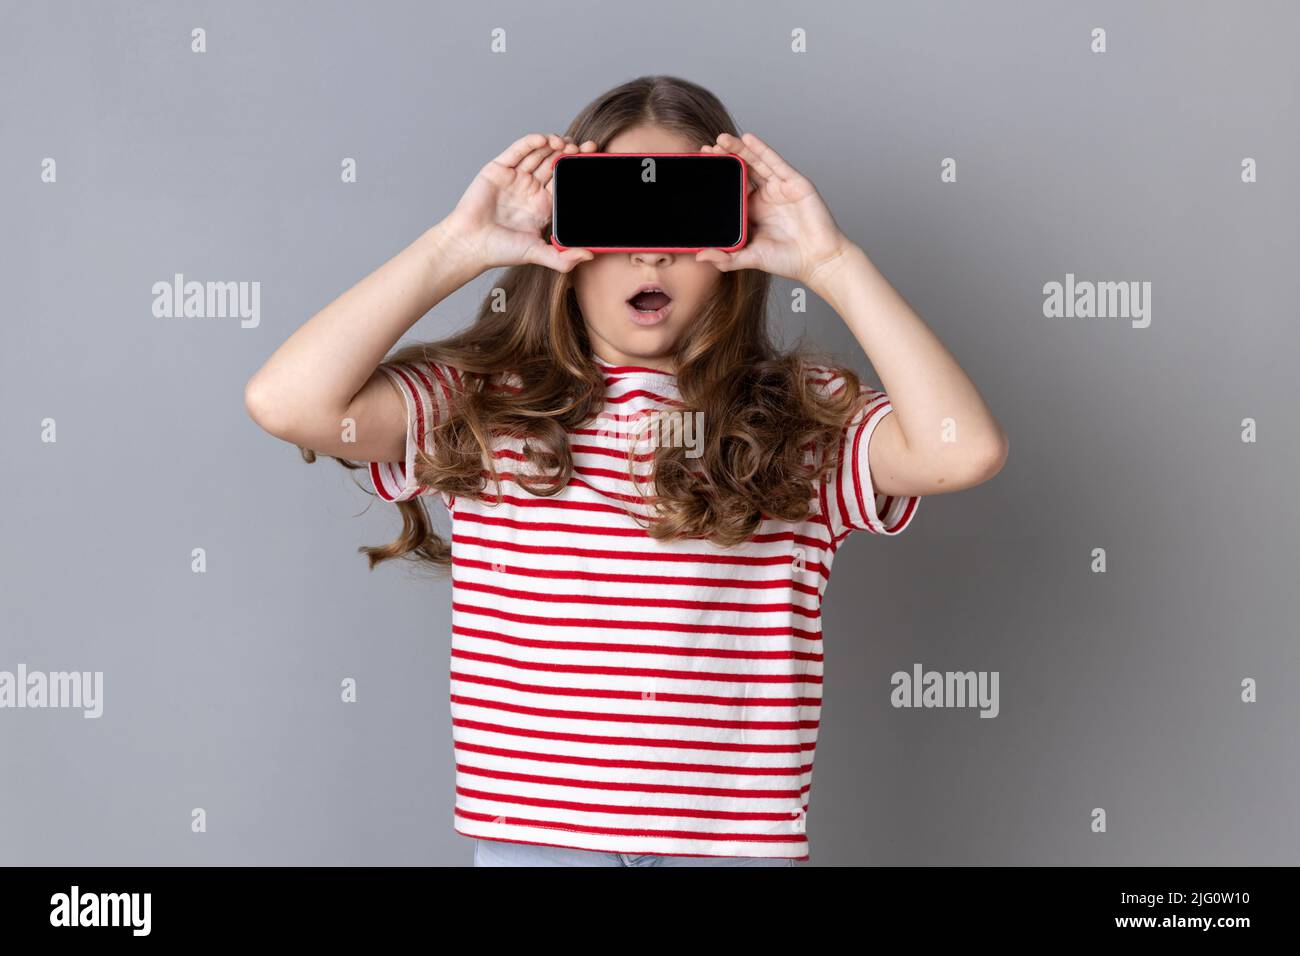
744	205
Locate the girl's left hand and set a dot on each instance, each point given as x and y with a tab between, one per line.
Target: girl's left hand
792	233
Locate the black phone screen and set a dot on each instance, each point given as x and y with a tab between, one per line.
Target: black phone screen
644	201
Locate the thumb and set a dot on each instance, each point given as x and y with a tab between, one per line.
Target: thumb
544	254
725	261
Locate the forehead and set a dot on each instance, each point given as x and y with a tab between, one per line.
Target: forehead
651	139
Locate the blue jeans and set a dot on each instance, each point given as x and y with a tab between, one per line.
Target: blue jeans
505	853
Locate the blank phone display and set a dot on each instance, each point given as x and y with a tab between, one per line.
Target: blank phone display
694	201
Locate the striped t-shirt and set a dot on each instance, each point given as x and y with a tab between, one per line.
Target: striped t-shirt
616	693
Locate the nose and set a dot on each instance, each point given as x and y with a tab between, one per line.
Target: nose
652	258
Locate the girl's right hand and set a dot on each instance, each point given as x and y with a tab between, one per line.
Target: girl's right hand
499	219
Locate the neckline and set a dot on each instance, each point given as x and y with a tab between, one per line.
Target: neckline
623	371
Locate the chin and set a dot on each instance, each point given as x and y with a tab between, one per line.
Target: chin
649	344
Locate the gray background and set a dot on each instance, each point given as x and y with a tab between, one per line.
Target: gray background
1118	691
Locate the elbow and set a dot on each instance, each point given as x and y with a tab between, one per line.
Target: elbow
263	409
977	463
958	467
989	459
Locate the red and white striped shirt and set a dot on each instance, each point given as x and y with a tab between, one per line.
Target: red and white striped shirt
616	693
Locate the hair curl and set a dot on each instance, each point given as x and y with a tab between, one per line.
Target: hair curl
771	436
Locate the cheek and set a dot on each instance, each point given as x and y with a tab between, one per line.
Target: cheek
701	284
596	288
587	293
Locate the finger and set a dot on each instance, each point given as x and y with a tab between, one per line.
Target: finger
534	159
729	262
546	174
757	172
753	177
771	158
576	257
520	148
589	146
544	254
758	169
722	261
547	169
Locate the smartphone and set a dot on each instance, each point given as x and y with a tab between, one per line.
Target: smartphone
649	202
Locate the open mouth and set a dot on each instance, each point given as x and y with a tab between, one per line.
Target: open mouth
650	303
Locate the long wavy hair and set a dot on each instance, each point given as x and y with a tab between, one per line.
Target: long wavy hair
770	435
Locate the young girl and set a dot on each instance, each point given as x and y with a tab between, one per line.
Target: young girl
645	495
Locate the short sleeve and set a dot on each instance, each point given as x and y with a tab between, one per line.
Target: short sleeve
849	500
427	389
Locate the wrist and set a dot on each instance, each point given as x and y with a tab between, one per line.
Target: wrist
448	248
823	277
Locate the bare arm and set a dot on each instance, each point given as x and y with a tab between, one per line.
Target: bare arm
939	436
326	372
